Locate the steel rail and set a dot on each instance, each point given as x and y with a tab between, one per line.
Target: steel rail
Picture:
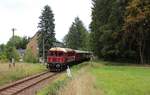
21	85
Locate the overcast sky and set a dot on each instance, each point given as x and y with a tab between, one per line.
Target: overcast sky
24	16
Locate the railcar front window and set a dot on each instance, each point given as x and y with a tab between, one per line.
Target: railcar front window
60	54
55	53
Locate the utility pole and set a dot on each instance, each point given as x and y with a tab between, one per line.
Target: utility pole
13	30
43	50
13	59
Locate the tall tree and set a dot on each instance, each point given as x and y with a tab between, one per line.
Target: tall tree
46	28
77	36
106	27
137	28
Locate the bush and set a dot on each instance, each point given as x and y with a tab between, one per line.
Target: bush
3	57
15	54
12	52
30	57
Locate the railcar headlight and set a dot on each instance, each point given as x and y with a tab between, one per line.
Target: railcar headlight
57	65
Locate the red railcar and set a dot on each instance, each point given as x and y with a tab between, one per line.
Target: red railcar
59	58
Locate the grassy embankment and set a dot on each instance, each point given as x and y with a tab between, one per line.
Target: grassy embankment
61	81
102	79
21	70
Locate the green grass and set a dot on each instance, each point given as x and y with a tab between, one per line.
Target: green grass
21	70
60	82
121	80
112	79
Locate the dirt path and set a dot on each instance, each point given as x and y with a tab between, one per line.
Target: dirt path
82	84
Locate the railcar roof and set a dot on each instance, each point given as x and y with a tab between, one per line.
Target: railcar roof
61	49
80	51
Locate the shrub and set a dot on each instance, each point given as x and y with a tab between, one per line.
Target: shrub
30	57
3	57
15	54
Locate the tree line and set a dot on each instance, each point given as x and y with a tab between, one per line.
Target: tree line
119	31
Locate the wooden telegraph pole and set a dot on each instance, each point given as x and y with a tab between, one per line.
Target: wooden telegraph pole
13	59
43	51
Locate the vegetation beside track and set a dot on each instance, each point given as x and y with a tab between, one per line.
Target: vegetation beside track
106	79
21	70
54	87
61	81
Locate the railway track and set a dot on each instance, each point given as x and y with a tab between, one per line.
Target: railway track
21	85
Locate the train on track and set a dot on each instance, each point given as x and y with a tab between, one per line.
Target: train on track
59	58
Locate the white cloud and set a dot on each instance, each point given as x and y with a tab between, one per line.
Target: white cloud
24	16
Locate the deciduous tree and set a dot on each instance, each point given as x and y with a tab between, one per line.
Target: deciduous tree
137	28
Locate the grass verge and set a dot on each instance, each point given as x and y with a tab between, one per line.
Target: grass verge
21	70
53	87
107	78
60	82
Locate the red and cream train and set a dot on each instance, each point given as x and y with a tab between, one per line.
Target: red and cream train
59	58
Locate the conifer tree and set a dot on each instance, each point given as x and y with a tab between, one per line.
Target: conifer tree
46	28
106	27
77	36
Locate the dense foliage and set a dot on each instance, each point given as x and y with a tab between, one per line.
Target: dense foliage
106	27
3	53
46	28
119	29
18	42
29	57
77	36
9	51
137	28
